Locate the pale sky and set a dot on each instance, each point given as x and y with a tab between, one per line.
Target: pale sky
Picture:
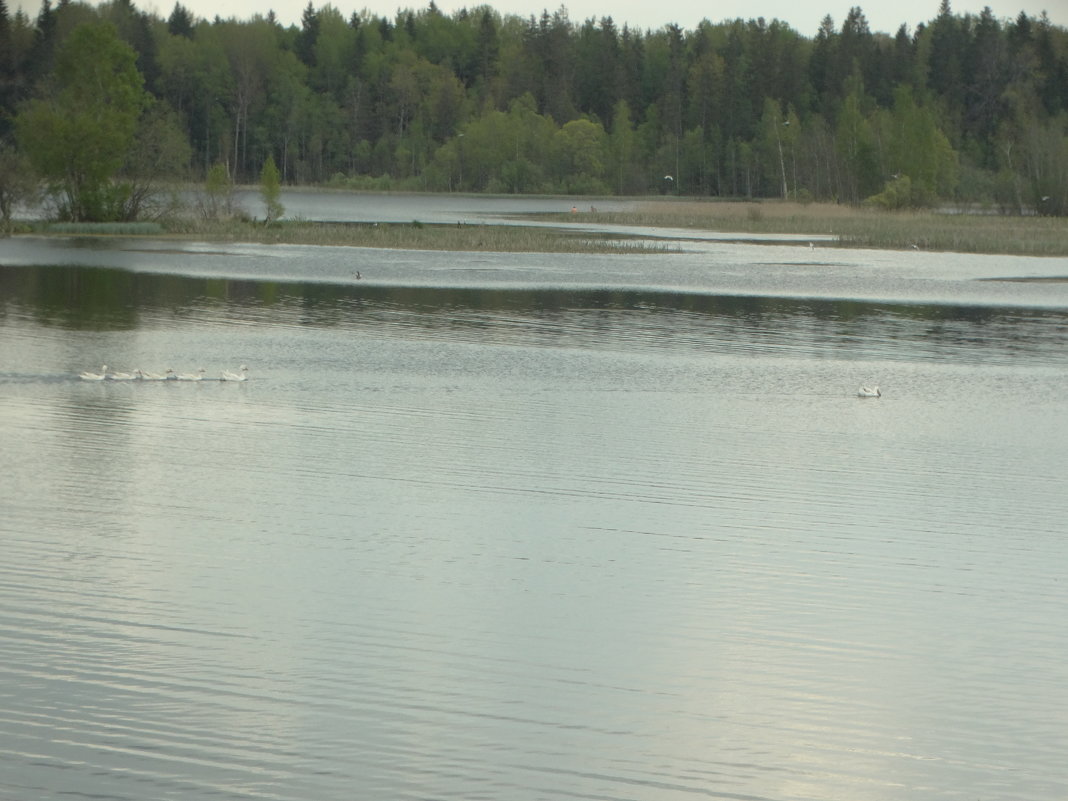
803	15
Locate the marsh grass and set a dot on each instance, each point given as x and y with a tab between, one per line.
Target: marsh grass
963	233
104	229
852	227
415	235
855	227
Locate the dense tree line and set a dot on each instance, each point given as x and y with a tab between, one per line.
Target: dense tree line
965	108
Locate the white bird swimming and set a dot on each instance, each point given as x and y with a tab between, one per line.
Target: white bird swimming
240	376
87	376
122	376
869	392
197	376
156	376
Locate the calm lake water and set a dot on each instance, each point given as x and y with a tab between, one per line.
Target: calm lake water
526	527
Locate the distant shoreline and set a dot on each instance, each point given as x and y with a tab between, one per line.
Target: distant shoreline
835	225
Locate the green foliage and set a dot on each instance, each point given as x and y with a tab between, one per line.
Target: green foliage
903	193
17	184
78	134
774	129
915	146
159	154
857	148
271	191
1045	159
622	155
217	200
501	151
580	155
474	100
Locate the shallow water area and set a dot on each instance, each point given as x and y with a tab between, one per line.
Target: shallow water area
526	527
706	267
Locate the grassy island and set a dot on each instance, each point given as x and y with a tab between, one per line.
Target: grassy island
855	226
849	226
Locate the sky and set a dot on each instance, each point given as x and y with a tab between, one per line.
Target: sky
884	16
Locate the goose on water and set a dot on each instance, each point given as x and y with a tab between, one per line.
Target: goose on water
122	376
87	376
197	376
869	392
239	376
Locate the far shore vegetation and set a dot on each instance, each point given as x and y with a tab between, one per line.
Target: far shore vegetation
414	235
859	134
854	137
959	231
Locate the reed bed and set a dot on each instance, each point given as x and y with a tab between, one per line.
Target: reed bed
852	226
417	236
963	233
856	227
105	229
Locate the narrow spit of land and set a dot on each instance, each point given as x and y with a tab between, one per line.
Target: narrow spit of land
849	227
853	226
413	235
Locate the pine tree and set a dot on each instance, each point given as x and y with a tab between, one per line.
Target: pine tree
309	34
8	81
180	22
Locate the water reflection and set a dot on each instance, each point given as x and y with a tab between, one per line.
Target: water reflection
720	269
103	299
527	543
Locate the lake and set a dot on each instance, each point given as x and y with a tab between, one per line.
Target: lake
517	526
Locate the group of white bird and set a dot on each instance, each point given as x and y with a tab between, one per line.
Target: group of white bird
170	375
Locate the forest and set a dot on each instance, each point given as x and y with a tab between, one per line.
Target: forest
100	105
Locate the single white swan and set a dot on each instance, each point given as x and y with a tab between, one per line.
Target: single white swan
869	392
122	376
197	376
87	376
239	376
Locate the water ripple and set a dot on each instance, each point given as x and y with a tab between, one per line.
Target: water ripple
528	546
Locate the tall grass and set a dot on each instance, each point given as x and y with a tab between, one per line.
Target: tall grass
856	227
416	236
962	233
851	226
105	229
